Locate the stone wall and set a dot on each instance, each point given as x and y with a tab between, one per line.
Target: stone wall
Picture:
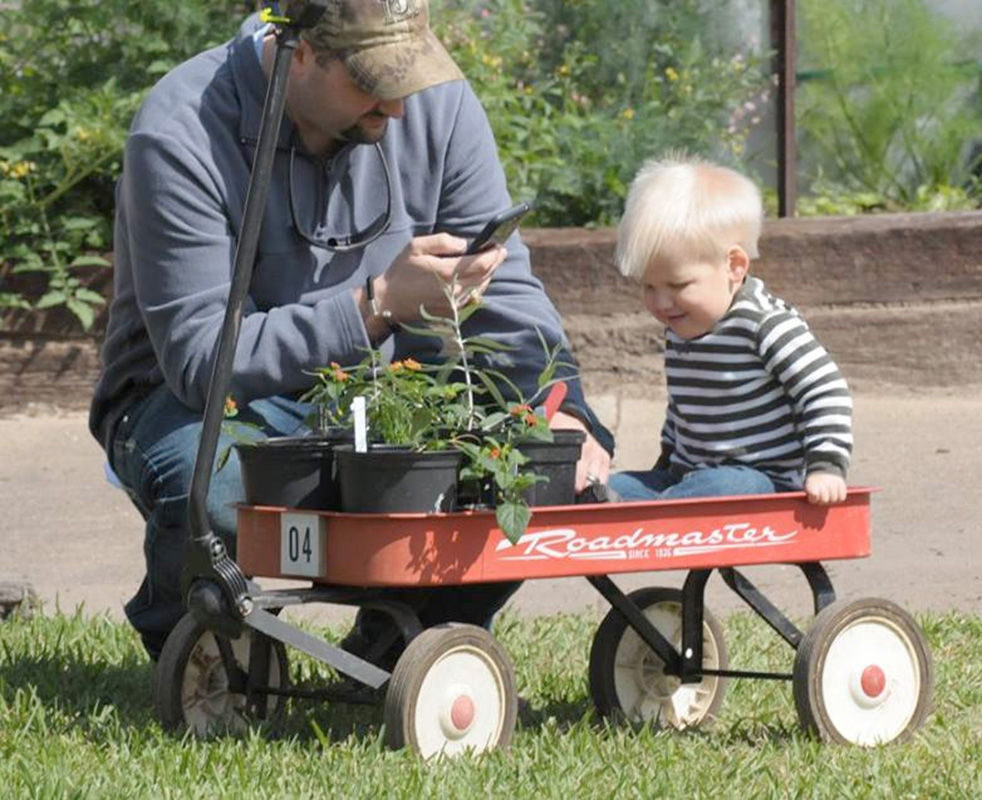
897	299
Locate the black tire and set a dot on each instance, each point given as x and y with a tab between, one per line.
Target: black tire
190	686
627	680
452	691
863	674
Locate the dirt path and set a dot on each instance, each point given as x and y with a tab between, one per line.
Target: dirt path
64	529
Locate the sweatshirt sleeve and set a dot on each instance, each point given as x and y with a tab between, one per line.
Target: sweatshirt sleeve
182	250
516	310
821	398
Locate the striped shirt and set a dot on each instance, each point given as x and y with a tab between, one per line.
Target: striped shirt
757	390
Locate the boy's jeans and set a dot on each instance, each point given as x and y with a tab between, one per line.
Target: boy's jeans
673	483
153	453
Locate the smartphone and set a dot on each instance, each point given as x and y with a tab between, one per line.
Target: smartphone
501	226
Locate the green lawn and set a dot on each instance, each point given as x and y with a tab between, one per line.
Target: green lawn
76	721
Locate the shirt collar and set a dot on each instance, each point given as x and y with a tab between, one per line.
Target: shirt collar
250	85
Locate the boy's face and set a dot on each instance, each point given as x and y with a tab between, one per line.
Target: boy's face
690	297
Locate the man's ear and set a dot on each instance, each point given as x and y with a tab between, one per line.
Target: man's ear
738	263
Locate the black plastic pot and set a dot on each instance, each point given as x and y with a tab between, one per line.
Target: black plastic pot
556	460
292	471
388	479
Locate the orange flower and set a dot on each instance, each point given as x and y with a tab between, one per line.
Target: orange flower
519	410
495	453
531	420
340	375
231	407
395	366
335	365
413	364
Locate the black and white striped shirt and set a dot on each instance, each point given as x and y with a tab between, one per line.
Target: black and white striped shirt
758	390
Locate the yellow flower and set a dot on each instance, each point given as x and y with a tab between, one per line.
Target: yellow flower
671	74
627	113
22	169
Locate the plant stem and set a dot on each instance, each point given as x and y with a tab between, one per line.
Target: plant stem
451	293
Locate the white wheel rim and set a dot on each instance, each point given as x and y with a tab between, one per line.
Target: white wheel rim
207	704
870	681
644	692
460	705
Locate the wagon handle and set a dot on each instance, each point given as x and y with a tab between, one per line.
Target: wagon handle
215	587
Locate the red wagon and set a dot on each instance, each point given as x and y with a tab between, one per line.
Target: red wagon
862	671
861	674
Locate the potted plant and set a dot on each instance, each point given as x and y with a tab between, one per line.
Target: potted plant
410	463
290	471
453	415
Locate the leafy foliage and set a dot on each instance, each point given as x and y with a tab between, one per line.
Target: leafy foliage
63	122
890	119
580	93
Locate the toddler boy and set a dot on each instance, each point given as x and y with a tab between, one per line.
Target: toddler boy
755	403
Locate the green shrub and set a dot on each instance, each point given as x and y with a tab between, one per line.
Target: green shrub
63	122
580	93
889	121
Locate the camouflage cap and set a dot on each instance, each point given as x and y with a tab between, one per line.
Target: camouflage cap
386	45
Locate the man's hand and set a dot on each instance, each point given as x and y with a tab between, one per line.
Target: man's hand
420	272
825	488
594	463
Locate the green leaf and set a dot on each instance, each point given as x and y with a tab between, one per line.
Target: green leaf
83	311
513	519
468	311
51	299
222	459
88	296
53	117
79	223
13	300
489	344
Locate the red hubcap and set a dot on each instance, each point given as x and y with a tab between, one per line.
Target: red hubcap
462	712
873	681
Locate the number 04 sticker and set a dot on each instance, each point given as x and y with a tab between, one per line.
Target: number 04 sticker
302	544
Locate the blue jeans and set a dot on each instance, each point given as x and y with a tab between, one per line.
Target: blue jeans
153	452
673	483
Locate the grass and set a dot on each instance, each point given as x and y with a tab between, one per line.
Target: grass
76	722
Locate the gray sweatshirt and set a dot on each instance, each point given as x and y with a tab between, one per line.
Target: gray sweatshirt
179	208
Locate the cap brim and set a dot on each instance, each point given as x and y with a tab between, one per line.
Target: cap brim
392	71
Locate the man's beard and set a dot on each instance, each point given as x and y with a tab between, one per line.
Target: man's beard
358	135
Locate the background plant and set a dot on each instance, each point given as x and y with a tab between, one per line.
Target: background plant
63	121
580	93
889	121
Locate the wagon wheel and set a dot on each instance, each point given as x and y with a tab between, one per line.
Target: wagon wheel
627	678
863	673
191	687
452	690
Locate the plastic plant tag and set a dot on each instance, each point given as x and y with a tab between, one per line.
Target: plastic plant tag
361	426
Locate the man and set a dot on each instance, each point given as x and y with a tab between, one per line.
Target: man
385	160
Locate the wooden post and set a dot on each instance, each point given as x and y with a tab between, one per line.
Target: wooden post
785	52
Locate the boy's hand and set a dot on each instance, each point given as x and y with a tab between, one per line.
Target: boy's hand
825	488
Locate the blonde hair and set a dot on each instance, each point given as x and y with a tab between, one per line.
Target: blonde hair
683	208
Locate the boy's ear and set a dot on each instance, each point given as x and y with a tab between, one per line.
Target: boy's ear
738	263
